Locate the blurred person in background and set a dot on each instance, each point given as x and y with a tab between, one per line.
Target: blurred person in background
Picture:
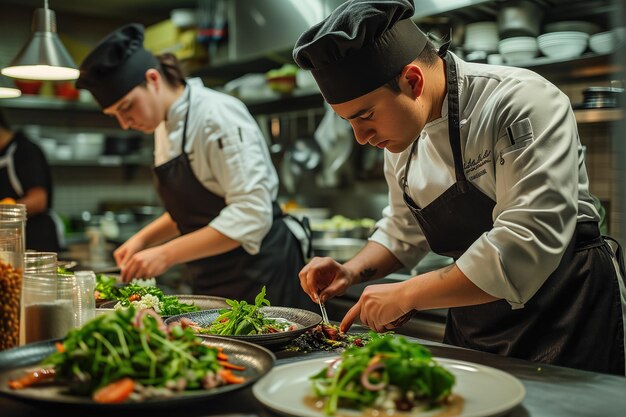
25	178
213	173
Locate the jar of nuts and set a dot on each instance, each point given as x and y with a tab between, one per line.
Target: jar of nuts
12	220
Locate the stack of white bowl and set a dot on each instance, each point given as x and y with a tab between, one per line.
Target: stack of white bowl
481	36
518	49
562	45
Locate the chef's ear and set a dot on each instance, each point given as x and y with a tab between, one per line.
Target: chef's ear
153	76
413	78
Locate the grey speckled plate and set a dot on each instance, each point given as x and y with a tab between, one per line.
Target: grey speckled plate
205	302
303	318
256	359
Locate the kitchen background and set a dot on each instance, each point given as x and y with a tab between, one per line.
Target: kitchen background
99	168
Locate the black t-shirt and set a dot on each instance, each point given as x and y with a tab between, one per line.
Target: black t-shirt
31	168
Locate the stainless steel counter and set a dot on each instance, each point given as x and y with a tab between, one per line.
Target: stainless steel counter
550	392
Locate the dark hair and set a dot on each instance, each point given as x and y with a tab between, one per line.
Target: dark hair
4	124
171	70
428	57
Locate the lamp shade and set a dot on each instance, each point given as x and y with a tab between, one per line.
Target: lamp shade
44	57
7	90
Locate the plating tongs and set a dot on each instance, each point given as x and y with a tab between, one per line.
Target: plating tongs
323	310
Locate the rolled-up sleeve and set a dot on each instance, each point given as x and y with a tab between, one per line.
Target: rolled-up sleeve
241	168
536	195
398	230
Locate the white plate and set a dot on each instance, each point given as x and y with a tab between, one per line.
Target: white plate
486	391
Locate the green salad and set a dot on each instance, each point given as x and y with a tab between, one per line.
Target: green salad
132	355
153	298
388	373
246	319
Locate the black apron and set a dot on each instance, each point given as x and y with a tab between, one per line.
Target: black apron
41	229
235	274
574	319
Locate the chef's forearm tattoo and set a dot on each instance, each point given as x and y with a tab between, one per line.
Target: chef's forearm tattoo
368	273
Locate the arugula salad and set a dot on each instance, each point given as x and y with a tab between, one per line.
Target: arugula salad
141	298
245	319
131	355
387	374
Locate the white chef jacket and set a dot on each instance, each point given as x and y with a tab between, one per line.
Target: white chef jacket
537	179
228	155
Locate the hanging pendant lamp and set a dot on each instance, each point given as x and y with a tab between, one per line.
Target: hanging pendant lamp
44	57
7	90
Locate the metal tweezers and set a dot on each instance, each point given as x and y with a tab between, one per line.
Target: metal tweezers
323	310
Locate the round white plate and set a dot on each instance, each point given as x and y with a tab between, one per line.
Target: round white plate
486	391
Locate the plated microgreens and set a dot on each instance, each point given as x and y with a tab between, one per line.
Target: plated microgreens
245	319
388	373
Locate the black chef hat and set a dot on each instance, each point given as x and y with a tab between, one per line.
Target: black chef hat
361	46
117	65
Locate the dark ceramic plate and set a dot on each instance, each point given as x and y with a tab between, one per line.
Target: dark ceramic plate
256	359
303	318
205	302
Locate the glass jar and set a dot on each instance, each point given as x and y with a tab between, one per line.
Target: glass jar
47	298
84	300
11	266
13	217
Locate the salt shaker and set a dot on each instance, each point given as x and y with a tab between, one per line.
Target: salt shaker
84	302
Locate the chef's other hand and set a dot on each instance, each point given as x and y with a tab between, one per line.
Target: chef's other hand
126	250
381	307
326	277
147	263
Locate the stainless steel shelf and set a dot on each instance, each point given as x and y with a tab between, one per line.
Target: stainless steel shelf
103	161
48	103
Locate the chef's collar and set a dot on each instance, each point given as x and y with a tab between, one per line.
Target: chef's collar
361	46
178	110
116	65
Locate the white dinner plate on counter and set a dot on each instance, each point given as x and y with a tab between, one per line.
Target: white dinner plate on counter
485	391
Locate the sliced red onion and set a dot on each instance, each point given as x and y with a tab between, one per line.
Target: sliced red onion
150	312
332	367
365	377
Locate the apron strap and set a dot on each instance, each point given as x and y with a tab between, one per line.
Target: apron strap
8	161
619	255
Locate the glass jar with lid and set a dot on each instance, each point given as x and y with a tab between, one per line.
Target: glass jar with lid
12	220
13	217
11	265
47	298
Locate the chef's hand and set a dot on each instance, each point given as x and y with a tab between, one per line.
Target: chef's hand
381	307
147	263
127	250
326	277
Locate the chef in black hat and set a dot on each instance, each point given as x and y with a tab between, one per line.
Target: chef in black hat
483	165
213	172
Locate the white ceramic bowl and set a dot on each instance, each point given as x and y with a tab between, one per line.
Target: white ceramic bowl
602	43
563	44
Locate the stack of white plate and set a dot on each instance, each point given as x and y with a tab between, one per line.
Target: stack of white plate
563	45
518	49
481	36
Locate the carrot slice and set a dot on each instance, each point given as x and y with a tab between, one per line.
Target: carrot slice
231	378
115	392
229	365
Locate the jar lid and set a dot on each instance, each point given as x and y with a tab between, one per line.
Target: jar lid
12	212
